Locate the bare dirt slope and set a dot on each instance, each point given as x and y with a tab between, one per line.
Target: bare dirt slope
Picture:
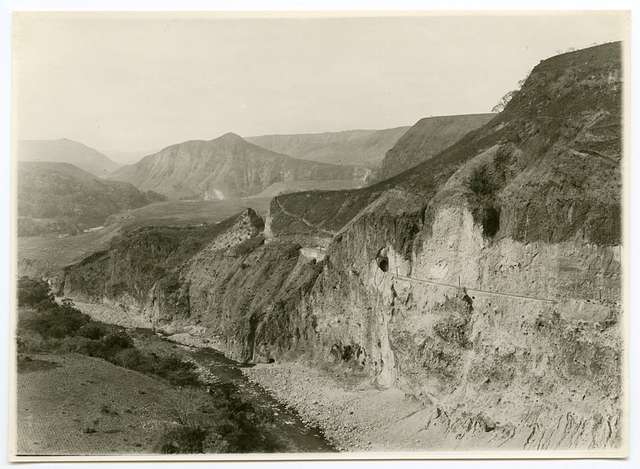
74	404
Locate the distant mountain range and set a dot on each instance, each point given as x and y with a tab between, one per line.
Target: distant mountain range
66	151
62	198
350	147
223	168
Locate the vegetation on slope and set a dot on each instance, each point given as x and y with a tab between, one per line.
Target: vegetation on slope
135	260
61	198
46	326
226	423
565	124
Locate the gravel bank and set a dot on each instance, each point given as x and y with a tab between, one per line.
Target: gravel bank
353	418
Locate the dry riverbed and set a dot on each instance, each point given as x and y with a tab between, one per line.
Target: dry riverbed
354	417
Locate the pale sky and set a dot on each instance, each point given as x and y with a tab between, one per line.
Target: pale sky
130	83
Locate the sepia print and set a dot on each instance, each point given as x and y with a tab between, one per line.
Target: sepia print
319	235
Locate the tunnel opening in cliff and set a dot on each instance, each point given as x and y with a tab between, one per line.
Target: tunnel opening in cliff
490	221
382	260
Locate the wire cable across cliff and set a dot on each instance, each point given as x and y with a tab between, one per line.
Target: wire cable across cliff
476	290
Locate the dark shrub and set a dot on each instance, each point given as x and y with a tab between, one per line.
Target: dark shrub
490	221
176	371
453	329
106	348
183	440
134	359
55	321
480	181
114	343
33	291
93	330
81	345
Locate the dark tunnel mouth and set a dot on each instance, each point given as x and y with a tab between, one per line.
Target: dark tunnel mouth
382	260
490	221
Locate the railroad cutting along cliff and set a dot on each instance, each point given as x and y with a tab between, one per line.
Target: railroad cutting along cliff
483	285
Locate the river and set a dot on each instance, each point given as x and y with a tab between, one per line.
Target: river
217	370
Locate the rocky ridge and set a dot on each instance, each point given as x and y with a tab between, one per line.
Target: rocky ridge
224	168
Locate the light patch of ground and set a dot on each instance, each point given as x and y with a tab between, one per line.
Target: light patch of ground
86	405
353	417
112	314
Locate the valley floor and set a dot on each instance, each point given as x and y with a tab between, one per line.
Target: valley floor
351	412
353	417
356	417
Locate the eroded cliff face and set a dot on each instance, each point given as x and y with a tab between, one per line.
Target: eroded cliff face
486	286
522	354
526	352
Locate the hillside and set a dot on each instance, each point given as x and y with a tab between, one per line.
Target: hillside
426	138
66	151
555	150
47	255
350	147
479	292
61	198
224	168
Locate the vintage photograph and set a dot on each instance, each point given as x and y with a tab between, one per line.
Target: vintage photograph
319	235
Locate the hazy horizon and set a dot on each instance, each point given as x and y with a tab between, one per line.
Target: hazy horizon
135	83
